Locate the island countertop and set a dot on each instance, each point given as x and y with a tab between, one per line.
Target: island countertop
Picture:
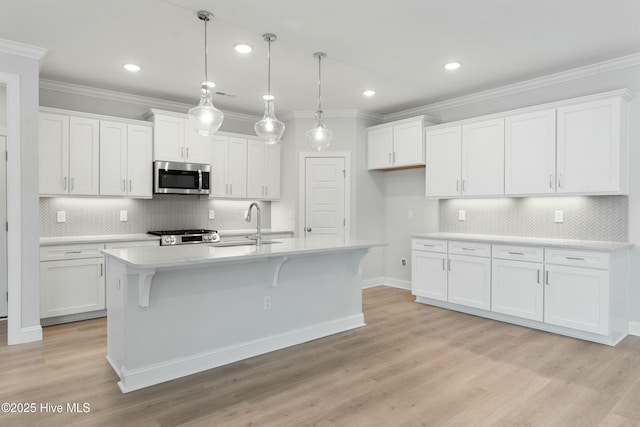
192	255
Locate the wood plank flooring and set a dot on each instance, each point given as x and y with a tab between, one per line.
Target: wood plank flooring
412	365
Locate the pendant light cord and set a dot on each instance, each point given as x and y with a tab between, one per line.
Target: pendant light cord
319	83
206	78
269	70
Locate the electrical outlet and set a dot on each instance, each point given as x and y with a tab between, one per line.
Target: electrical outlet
266	302
124	216
462	215
558	216
403	262
410	215
61	216
212	214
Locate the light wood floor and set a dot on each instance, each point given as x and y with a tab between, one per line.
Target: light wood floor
411	365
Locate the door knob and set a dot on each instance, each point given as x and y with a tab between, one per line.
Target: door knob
309	229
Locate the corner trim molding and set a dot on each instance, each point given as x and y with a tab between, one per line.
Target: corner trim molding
22	49
386	281
531	84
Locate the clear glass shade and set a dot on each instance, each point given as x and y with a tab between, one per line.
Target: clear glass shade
319	136
269	128
204	117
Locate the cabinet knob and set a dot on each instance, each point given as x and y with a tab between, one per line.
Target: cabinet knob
309	229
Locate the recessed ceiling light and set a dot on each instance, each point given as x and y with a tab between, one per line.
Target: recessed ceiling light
132	67
243	48
369	92
452	66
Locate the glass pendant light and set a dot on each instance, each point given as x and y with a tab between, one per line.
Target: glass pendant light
319	136
269	128
204	117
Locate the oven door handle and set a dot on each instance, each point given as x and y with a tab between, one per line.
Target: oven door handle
199	179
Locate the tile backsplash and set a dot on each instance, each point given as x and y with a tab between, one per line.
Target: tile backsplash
95	216
585	218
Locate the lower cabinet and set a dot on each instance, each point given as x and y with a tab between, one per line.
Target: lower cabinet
429	274
470	281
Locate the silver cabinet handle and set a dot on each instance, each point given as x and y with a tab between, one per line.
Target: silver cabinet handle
449	265
72	185
516	253
101	270
394	157
129	185
72	252
550	181
124	185
309	229
547	278
464	182
559	180
468	249
187	152
231	188
443	267
574	258
182	152
428	246
226	189
538	281
64	183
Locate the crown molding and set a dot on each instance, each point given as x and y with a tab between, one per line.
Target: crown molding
110	95
22	49
552	79
341	114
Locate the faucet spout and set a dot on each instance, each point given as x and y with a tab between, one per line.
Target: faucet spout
258	236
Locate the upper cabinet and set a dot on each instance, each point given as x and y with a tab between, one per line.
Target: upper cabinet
397	144
228	167
577	147
69	155
263	170
175	140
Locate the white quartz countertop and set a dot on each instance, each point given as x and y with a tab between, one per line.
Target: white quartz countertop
531	241
107	238
192	255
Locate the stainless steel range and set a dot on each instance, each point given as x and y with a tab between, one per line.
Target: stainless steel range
184	237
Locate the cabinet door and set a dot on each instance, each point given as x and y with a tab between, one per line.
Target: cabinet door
470	281
483	158
71	286
113	158
380	148
168	143
577	298
589	141
84	156
219	160
429	275
517	289
530	153
196	146
408	144
443	162
255	169
272	171
237	169
53	145
139	163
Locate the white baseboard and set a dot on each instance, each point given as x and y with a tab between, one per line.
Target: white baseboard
386	281
138	378
30	334
634	328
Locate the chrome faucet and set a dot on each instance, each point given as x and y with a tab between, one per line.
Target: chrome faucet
258	236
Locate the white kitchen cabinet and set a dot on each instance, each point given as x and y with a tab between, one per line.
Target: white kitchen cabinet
530	153
516	281
483	158
228	167
593	147
444	166
175	140
470	281
263	170
69	155
125	160
397	144
429	269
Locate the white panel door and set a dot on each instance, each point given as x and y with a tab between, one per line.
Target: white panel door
237	168
589	137
255	169
53	147
168	142
443	170
139	161
272	171
530	153
219	159
380	148
470	281
483	158
113	158
196	146
324	197
3	230
84	156
408	144
429	275
517	289
577	298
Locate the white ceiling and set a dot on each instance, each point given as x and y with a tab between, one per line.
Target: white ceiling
397	47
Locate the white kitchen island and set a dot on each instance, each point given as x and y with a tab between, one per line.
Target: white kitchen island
177	310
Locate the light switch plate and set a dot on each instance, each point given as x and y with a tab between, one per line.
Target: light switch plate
124	216
61	216
410	215
558	216
462	215
212	214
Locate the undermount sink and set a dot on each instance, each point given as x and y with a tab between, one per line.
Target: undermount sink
242	243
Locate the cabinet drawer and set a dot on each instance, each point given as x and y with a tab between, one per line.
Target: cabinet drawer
470	248
577	258
518	253
54	253
135	244
429	245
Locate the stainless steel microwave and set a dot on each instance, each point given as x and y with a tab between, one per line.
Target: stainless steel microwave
181	178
